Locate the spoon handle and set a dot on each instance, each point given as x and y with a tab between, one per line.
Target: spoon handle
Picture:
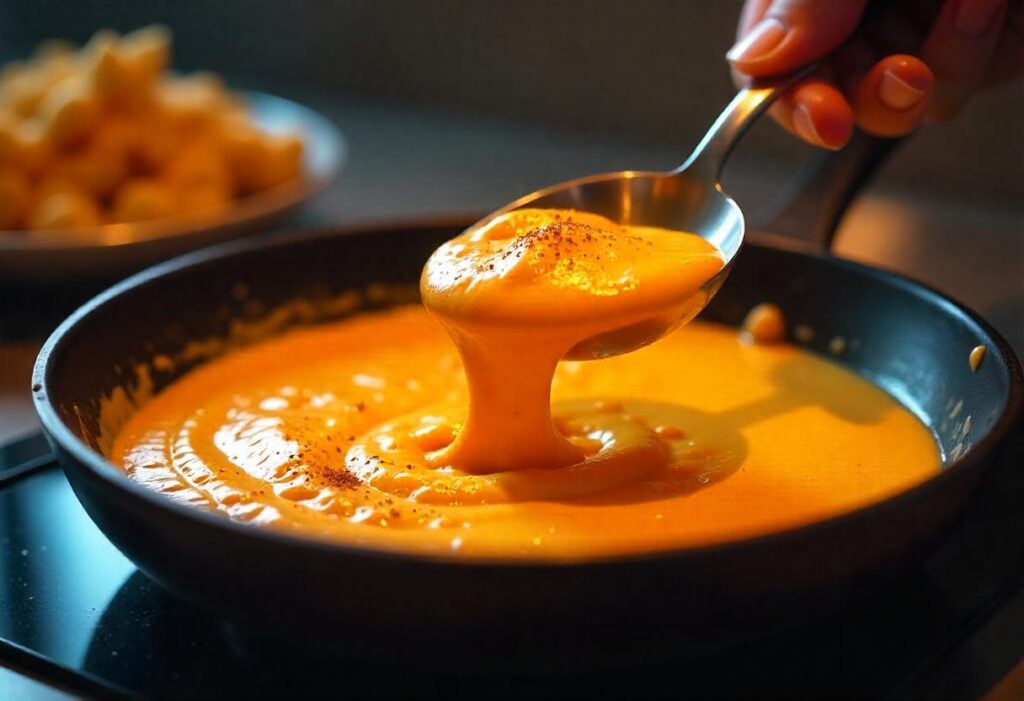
710	155
813	201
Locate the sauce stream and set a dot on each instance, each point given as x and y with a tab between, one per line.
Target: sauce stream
523	291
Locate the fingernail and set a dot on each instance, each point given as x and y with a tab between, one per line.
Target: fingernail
759	41
805	126
896	93
973	18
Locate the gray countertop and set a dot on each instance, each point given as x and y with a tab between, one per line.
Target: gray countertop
408	162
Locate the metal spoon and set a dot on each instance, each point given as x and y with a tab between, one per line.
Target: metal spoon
689	198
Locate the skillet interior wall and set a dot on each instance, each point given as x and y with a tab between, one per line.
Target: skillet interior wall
646	70
203	303
200	301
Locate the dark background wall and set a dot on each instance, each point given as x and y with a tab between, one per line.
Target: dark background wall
647	70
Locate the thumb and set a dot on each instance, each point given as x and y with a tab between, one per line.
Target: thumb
792	33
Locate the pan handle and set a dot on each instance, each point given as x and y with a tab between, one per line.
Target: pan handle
812	203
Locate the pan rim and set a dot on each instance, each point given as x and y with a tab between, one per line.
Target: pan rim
96	466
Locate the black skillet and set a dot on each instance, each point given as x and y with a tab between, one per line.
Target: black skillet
907	338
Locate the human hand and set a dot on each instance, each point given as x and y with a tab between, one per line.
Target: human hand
911	61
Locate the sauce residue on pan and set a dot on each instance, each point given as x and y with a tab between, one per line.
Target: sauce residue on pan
976	356
765	324
366	431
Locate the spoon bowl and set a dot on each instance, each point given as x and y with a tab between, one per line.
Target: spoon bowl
689	198
683	200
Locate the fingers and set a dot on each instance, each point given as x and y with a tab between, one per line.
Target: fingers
892	97
816	112
777	37
959	49
789	34
753	11
971	44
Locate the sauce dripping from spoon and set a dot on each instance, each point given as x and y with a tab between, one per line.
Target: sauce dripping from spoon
531	287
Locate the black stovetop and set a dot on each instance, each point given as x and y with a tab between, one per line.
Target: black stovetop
77	615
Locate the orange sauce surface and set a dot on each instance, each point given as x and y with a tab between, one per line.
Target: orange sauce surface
366	431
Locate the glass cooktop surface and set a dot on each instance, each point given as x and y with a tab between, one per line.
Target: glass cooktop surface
80	617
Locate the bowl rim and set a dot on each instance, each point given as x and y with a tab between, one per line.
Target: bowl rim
98	467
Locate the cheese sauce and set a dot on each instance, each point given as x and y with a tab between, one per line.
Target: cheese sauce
366	430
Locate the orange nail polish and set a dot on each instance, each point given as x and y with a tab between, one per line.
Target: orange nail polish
897	94
805	126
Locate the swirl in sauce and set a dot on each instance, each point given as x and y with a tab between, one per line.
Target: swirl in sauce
376	431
